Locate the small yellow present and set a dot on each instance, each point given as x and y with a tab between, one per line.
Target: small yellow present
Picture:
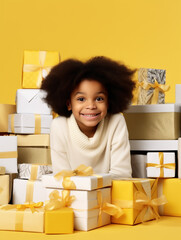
37	65
138	199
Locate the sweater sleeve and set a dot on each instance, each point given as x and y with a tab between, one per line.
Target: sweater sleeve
120	165
58	146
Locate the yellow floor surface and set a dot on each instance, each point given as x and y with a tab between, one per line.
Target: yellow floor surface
165	228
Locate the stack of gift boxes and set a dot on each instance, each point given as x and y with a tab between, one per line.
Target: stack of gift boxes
80	199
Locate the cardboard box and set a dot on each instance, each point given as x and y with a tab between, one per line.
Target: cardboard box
4	189
138	163
86	207
81	182
153	122
171	188
37	65
8	153
33	171
29	123
161	164
5	110
28	191
124	194
31	101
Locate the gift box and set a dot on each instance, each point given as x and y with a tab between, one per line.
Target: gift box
24	123
33	171
153	122
8	153
153	145
178	93
160	164
87	207
28	191
34	149
15	219
59	221
171	188
135	197
4	189
78	182
37	65
138	163
5	110
150	88
179	158
31	101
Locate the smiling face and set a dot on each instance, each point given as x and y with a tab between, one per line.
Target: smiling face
89	103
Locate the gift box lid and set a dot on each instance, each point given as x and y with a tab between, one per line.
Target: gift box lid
154	108
81	182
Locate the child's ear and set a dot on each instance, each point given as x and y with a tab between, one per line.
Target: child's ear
69	107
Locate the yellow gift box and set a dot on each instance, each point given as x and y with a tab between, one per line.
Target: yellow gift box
171	188
59	221
37	65
5	110
4	189
137	198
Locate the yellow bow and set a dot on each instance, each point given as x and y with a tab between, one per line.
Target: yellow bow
31	205
82	170
56	201
161	165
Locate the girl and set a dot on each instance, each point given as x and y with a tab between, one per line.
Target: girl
90	130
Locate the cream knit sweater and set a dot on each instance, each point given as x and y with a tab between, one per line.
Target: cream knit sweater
108	151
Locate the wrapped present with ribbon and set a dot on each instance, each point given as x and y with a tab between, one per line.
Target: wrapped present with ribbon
22	217
24	123
171	188
5	110
4	189
8	153
33	171
160	164
150	87
37	65
28	191
91	209
153	122
82	178
34	149
138	199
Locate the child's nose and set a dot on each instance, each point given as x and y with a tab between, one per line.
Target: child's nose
91	105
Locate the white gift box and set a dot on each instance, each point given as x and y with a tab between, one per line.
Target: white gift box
28	191
35	171
29	123
81	183
153	145
178	93
138	163
31	101
8	153
86	207
153	162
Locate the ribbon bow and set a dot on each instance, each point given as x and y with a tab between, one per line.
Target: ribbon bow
56	201
161	165
143	202
82	170
31	205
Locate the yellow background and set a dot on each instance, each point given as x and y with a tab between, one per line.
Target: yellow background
139	33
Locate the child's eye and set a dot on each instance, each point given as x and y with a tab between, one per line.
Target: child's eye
81	99
99	99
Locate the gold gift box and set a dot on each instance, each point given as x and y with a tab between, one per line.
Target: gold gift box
5	110
171	188
34	149
59	221
4	189
123	195
37	64
153	122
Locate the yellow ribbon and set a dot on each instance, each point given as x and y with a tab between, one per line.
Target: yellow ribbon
12	154
67	183
37	123
2	170
146	86
161	165
56	201
29	190
34	172
41	67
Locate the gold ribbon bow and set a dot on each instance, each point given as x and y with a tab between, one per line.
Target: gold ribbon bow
41	67
56	201
161	165
82	170
136	93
